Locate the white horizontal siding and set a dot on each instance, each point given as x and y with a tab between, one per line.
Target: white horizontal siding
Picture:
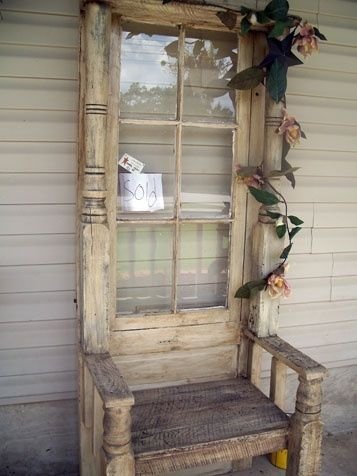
321	316
38	142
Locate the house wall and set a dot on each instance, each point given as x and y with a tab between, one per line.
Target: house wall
38	111
38	134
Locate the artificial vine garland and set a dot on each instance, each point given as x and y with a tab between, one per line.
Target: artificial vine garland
283	32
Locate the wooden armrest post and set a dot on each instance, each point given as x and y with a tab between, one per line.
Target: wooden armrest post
119	456
117	402
306	430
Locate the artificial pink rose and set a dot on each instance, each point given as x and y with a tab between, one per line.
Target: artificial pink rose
306	41
251	176
290	128
255	181
278	286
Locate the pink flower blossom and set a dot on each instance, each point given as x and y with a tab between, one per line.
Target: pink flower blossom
290	128
251	176
255	181
306	41
277	285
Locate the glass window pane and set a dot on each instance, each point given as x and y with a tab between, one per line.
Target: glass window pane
210	61
206	173
148	72
203	264
154	146
144	268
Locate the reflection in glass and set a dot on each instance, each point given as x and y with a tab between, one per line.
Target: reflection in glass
148	72
210	62
144	268
206	173
203	264
154	146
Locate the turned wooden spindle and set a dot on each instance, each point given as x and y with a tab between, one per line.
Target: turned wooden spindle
119	457
306	430
94	233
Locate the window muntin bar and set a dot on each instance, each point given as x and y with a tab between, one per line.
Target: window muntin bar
202	148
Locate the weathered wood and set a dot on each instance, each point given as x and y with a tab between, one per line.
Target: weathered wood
304	451
192	318
306	367
153	11
111	164
178	367
173	338
211	452
267	247
204	421
108	381
278	382
95	239
255	157
239	196
119	458
255	363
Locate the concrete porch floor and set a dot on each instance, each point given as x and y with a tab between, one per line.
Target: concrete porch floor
339	458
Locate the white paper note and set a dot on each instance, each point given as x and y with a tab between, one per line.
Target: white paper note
131	164
141	192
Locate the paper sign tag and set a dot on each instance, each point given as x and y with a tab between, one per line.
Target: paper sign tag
141	192
131	164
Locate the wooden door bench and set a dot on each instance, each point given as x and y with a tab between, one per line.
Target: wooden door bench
156	431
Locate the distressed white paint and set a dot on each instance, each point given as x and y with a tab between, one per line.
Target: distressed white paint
38	97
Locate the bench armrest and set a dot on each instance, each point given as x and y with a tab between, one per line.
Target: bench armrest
306	367
111	386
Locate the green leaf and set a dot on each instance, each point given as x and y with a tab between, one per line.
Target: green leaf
277	10
281	173
319	34
229	19
262	18
294	231
278	29
273	215
245	10
286	251
245	291
295	220
245	26
290	176
247	79
262	196
276	82
303	135
281	230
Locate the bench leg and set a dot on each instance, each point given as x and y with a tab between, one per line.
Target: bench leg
118	454
304	452
242	464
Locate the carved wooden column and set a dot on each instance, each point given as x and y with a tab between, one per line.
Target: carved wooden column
119	457
94	228
267	247
304	452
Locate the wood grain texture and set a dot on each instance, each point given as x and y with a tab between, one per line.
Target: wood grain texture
205	422
152	11
293	358
108	380
173	338
174	367
278	382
